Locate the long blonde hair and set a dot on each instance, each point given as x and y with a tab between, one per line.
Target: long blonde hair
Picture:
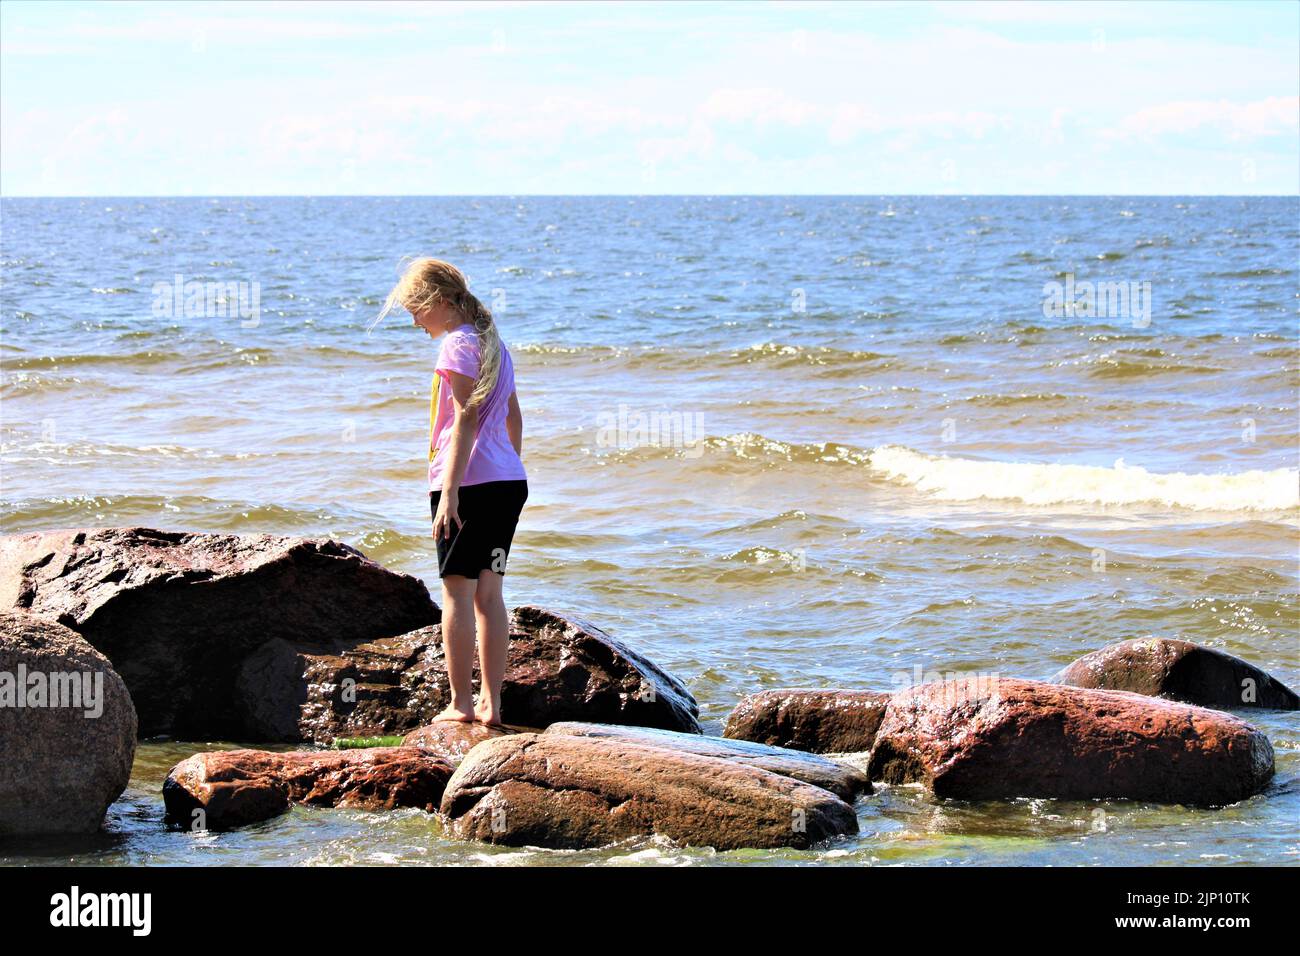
426	282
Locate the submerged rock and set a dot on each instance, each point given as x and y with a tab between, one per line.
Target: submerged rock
67	729
232	788
818	721
556	669
1179	670
177	612
994	738
843	781
565	791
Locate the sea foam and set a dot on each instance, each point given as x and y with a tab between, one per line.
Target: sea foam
964	479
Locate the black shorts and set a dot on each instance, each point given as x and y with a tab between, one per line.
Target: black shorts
489	513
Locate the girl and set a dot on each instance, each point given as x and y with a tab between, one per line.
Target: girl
477	485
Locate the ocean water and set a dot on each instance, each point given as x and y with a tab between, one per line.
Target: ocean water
839	441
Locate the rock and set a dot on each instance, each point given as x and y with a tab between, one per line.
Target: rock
233	788
225	789
564	791
568	669
452	740
556	669
994	738
1179	670
67	729
843	781
290	692
177	613
818	721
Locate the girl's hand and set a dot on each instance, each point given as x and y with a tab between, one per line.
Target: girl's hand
448	511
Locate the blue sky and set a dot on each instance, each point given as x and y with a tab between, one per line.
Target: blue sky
528	98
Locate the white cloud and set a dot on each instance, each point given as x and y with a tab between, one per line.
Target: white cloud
1272	116
571	98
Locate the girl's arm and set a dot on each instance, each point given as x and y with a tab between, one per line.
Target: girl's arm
515	424
463	429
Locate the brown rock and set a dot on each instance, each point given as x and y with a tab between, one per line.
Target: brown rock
562	791
568	669
290	692
997	738
225	789
236	787
843	781
67	729
453	739
556	669
1179	670
818	721
177	613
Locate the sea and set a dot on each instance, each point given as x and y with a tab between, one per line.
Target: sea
841	441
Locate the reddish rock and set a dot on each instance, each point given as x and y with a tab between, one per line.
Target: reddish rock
67	729
563	668
177	613
453	739
1179	670
289	692
556	669
225	789
563	791
994	738
818	721
843	781
233	788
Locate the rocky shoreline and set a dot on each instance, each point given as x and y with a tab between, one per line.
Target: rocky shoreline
301	641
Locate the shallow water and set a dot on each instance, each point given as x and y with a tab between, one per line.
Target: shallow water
919	474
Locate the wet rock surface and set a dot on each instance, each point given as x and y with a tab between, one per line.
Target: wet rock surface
232	788
818	721
1004	738
453	739
1182	671
843	781
566	791
557	668
178	612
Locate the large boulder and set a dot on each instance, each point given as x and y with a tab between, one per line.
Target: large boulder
1179	670
223	789
289	692
818	721
563	668
995	738
177	613
564	791
67	729
557	668
844	781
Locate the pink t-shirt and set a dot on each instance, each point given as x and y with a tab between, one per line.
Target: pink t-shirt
492	458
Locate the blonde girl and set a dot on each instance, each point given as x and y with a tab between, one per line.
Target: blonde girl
477	484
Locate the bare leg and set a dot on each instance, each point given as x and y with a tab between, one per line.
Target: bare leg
458	645
493	639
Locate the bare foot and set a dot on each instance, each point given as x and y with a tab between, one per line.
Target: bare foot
485	713
452	714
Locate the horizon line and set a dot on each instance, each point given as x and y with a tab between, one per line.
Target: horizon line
886	195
